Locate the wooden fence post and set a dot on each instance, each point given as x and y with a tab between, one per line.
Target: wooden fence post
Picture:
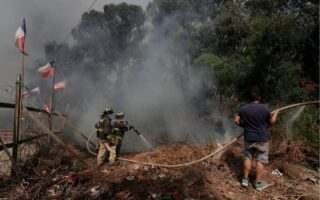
16	124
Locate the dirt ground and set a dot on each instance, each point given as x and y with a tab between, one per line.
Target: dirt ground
55	175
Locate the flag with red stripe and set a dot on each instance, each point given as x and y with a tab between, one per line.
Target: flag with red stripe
47	70
60	85
20	37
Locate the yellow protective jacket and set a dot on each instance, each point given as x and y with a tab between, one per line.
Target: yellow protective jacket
103	127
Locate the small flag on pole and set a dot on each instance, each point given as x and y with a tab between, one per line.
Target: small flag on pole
36	90
29	92
47	70
26	94
59	85
20	37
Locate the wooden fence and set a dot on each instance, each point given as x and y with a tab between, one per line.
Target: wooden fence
29	141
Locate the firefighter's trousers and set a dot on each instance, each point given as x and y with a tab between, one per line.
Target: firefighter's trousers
104	146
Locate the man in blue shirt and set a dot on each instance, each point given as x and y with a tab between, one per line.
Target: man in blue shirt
255	119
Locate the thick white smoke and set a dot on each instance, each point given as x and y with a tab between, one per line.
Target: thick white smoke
158	98
46	21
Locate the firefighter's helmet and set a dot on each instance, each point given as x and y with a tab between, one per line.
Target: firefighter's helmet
119	115
107	111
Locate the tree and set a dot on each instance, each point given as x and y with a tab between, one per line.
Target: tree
106	45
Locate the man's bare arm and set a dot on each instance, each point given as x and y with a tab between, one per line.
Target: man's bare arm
237	120
274	117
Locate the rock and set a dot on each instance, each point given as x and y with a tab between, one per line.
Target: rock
130	178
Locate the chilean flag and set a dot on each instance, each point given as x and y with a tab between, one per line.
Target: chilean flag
47	70
21	37
28	93
60	85
36	90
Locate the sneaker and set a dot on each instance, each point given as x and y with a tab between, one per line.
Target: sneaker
260	185
245	182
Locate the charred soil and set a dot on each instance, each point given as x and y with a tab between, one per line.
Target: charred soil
56	176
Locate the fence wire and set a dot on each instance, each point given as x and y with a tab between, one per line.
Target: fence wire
31	140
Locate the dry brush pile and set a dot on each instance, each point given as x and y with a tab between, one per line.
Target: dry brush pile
55	175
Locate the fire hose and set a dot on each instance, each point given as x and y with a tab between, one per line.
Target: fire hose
88	142
209	155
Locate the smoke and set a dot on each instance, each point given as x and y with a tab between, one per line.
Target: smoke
162	97
46	21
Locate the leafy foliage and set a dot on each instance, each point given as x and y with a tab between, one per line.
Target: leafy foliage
254	43
270	44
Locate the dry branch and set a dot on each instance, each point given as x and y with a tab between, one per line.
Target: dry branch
73	127
52	135
6	151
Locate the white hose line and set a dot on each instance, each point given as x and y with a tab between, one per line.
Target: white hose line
296	105
207	156
164	165
88	146
184	164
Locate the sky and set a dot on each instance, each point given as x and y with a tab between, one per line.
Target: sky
46	20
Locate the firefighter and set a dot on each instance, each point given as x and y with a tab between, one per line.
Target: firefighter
119	127
103	130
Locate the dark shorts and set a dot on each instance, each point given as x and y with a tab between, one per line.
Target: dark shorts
256	150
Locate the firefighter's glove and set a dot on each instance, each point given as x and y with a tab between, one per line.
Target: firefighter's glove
137	132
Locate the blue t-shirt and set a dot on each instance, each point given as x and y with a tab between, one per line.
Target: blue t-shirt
254	119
